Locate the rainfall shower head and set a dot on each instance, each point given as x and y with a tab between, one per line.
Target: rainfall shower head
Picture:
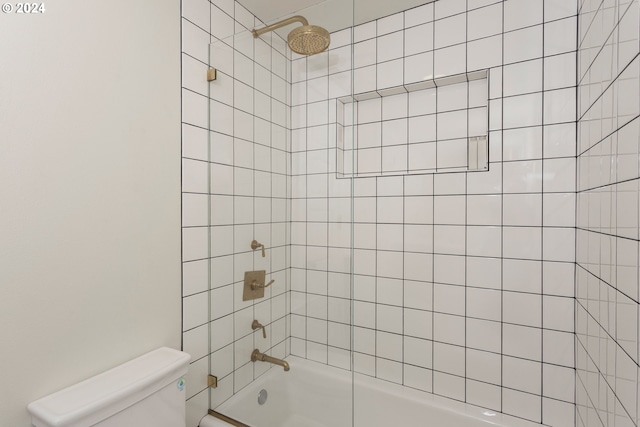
305	40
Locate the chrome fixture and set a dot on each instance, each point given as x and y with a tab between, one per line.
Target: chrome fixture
257	356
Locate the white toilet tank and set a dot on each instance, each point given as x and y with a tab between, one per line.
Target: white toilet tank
145	392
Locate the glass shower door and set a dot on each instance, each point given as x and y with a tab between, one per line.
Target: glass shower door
279	209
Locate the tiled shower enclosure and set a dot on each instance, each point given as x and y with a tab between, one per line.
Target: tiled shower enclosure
448	197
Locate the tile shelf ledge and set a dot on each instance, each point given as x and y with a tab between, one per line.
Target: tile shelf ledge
412	87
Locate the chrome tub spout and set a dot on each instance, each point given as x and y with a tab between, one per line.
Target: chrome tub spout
257	356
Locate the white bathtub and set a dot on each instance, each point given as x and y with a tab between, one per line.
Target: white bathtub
316	395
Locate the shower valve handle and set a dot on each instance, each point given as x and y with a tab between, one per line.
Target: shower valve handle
255	245
255	285
256	325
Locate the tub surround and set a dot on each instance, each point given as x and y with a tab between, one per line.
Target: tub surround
464	282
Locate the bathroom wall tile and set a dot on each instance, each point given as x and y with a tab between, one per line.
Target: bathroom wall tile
555	137
559	36
559	106
484	304
516	144
389	346
194	209
525	405
522	209
453	97
520	374
521	13
418	378
559	413
559	209
389	24
448	329
450	31
484	210
483	241
194	277
484	335
484	53
513	238
449	299
389	370
364	31
522	275
448	385
484	395
524	44
559	9
195	41
484	272
194	108
448	358
243	17
448	8
474	4
365	79
484	22
364	53
559	71
195	311
523	77
523	110
483	366
558	348
194	242
559	244
390	46
522	177
418	15
194	142
418	39
418	67
389	74
449	60
192	70
522	341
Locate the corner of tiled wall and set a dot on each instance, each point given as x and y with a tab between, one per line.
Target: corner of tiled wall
607	217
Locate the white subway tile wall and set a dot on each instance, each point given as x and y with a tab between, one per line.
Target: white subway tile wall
464	282
607	214
236	187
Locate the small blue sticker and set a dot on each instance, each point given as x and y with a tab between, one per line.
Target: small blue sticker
181	384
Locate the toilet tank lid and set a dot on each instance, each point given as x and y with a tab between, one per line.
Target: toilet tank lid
99	397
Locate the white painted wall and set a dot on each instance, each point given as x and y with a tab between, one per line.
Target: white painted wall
89	192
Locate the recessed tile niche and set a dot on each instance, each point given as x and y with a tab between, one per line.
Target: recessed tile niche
433	126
